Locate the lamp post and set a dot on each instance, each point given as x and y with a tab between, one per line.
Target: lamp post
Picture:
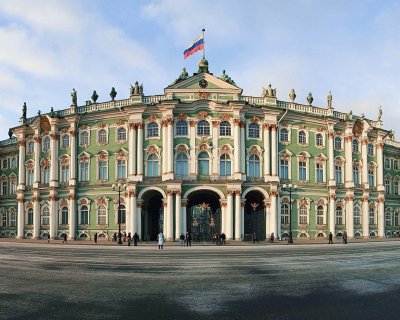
119	187
289	187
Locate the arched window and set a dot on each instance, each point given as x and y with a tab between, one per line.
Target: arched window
203	164
339	215
122	211
387	163
30	147
3	217
65	141
254	131
396	187
372	219
370	149
152	166
284	136
387	185
225	165
181	163
224	128
13	218
302	137
339	173
320	215
84	215
84	138
64	215
46	174
4	187
30	216
152	129
371	176
396	219
356	146
303	215
388	218
121	134
46	143
45	216
356	175
254	166
181	128
101	215
29	176
285	219
203	128
357	216
319	140
121	168
102	136
338	143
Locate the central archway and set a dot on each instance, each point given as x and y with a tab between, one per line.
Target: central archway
152	215
203	214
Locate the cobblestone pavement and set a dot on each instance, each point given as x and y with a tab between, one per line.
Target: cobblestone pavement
313	281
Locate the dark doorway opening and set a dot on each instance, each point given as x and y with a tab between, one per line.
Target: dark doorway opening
152	215
254	216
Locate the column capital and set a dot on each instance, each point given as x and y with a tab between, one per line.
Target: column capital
21	143
139	125
132	193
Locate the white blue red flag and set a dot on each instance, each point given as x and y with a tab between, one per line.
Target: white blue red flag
196	45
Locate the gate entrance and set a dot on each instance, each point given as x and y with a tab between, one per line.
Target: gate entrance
203	215
152	215
254	216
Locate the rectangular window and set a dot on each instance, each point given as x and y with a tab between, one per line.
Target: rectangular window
64	174
29	176
356	175
13	186
84	171
121	169
4	187
284	170
102	170
320	172
302	171
338	174
371	178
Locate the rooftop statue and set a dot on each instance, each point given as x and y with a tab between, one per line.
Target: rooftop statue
94	96
52	114
292	95
226	78
310	98
183	76
113	93
269	92
380	113
24	111
329	98
10	133
136	90
74	97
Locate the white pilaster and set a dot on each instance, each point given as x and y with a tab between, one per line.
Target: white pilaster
267	151
72	181
332	213
170	149
72	216
139	220
215	160
349	215
223	203
331	159
54	158
178	215
192	135
36	179
348	141
365	216
140	151
379	160
20	218
274	213
132	150
364	158
21	164
238	216
53	217
381	216
183	214
267	206
164	153
36	218
236	143
170	218
134	210
229	215
274	150
243	151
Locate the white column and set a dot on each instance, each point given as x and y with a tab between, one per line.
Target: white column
132	150
349	216
21	164
379	160
36	217
348	140
332	213
267	206
36	179
170	217
54	159
274	213
139	220
20	218
72	181
133	217
381	216
53	217
229	215
178	215
164	148
236	143
331	158
267	151
365	216
72	216
364	168
183	214
170	148
140	150
243	150
215	147
274	156
238	216
223	215
192	136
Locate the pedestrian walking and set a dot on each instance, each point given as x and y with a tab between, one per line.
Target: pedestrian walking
48	238
129	238
188	239
255	238
272	237
64	238
95	237
160	239
344	237
182	238
223	238
135	239
330	237
114	238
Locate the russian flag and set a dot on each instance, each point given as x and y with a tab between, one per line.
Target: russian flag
196	45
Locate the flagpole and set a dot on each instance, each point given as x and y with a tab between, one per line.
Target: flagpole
204	45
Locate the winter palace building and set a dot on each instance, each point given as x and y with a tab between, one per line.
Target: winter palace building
201	158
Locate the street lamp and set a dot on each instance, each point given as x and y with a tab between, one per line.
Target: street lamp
290	187
120	187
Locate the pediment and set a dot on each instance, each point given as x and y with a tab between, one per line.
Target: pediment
203	86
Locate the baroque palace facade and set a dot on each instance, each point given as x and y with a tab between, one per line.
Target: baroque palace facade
201	158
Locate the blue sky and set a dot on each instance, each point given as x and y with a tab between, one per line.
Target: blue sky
349	47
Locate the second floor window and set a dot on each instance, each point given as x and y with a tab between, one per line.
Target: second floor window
319	172
103	170
254	131
64	174
152	130
84	138
181	165
284	169
65	141
225	165
203	128
371	177
302	171
121	134
254	166
121	169
338	174
356	175
181	128
46	143
302	137
84	171
338	143
319	140
102	136
284	135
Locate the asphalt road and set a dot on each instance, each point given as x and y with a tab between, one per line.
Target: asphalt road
53	281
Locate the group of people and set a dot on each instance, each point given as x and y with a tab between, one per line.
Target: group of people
219	239
344	237
125	238
186	240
